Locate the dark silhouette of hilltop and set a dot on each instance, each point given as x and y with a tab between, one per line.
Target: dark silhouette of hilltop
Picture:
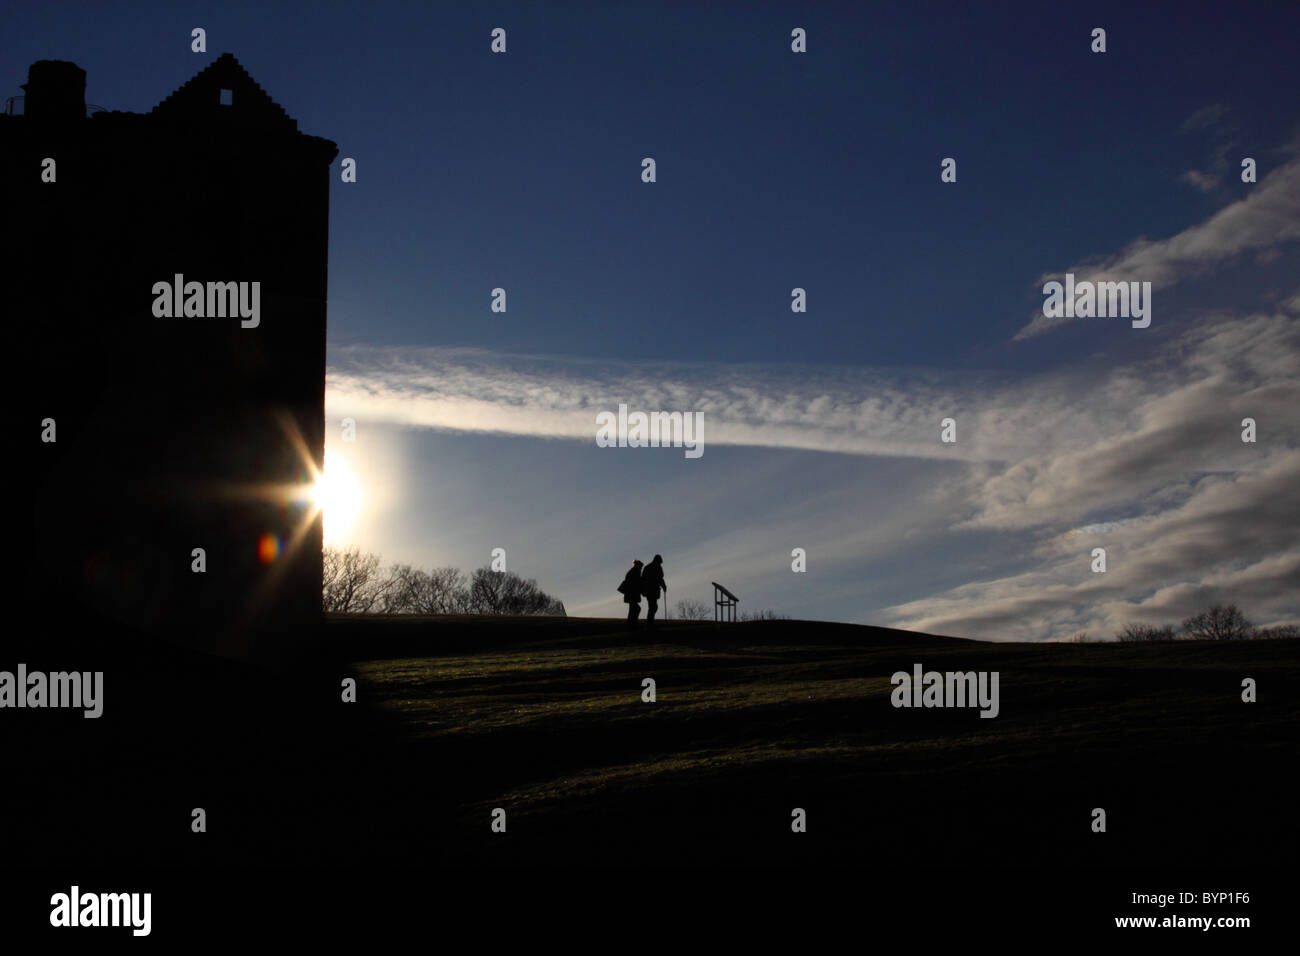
545	717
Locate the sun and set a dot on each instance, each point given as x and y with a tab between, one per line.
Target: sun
337	494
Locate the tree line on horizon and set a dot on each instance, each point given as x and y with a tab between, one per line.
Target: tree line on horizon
1223	622
354	582
702	611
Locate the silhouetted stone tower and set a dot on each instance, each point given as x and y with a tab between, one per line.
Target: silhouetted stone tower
173	433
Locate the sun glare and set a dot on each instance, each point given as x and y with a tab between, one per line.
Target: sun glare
337	493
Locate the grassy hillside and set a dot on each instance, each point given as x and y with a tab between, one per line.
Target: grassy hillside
545	719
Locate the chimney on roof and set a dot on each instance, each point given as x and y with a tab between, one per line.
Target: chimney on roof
56	90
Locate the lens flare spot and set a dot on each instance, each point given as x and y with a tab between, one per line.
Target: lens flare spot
268	548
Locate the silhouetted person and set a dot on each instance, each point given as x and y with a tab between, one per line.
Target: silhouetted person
652	582
631	588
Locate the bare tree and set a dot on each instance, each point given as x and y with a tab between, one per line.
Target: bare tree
504	592
1223	622
415	591
441	591
1145	632
1280	632
449	590
351	583
521	597
485	591
693	611
354	584
401	583
767	614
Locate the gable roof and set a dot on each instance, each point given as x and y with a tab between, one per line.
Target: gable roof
200	98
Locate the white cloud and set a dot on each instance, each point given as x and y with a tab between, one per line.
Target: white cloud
1231	542
1205	182
861	412
1200	516
1268	217
1143	458
1206	117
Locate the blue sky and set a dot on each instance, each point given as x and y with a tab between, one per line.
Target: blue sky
775	170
